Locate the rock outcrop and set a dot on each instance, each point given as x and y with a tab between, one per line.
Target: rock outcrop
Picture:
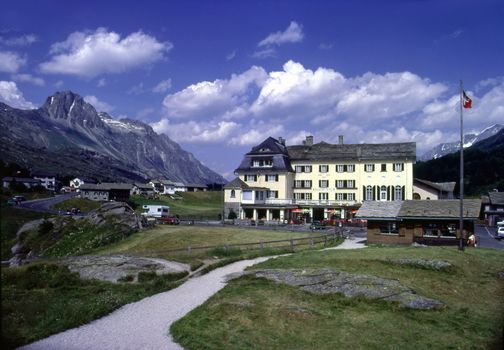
327	281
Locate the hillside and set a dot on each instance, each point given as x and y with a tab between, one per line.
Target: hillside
68	136
483	167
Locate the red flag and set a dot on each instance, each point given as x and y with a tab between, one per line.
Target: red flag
467	102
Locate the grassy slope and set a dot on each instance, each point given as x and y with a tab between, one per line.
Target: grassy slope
258	314
153	242
39	300
85	205
193	206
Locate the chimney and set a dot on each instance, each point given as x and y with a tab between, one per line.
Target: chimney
309	141
281	140
340	139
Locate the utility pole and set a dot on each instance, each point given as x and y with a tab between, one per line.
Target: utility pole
461	219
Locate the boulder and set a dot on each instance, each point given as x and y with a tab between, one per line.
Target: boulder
116	212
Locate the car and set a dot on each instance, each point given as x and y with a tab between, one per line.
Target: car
169	220
500	232
12	201
317	225
19	198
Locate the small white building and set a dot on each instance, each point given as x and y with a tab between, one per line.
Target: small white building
27	182
47	180
79	181
170	187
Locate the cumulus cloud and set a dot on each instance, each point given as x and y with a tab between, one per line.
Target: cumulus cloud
208	99
293	34
89	54
10	62
22	40
100	106
28	78
162	86
194	132
254	135
11	95
137	89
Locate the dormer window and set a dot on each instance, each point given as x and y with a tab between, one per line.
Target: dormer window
262	163
264	150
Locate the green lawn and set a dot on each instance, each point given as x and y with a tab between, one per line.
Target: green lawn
192	206
252	313
85	205
155	242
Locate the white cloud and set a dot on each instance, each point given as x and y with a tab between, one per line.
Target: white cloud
100	106
194	132
255	133
28	78
231	55
89	54
162	86
265	53
10	94
136	89
208	99
23	40
293	34
10	62
102	82
58	84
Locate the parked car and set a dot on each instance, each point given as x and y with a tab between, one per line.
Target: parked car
19	198
317	225
500	232
169	220
12	201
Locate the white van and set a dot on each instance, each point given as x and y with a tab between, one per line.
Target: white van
156	211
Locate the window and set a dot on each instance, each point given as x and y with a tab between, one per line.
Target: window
389	228
303	196
384	167
438	230
383	193
302	184
303	168
351	196
259	195
398	166
272	178
247	195
369	168
233	194
323	168
272	194
350	168
340	196
350	184
398	193
340	168
250	178
323	183
369	193
340	183
262	163
323	196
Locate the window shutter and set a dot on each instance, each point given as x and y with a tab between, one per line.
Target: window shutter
363	193
345	168
388	193
255	177
393	193
276	178
403	192
374	192
344	196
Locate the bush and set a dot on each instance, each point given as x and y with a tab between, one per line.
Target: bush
232	215
45	227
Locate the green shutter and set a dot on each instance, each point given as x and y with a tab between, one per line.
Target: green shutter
404	193
363	193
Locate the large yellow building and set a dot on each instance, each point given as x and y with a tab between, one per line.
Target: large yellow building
318	181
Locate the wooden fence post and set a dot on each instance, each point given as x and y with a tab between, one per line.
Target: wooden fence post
189	249
292	244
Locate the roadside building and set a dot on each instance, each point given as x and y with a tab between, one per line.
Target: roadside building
424	189
192	187
47	179
421	221
106	191
145	190
494	208
171	187
27	182
319	181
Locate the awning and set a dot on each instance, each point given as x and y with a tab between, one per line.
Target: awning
296	210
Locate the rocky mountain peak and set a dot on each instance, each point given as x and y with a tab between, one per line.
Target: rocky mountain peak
67	107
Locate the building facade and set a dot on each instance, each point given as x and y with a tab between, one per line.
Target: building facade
47	180
423	189
318	181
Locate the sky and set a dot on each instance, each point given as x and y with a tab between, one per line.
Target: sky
218	77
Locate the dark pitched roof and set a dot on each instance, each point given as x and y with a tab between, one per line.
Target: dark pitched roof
323	151
195	185
268	146
144	186
106	186
20	179
236	183
419	209
270	149
440	186
496	198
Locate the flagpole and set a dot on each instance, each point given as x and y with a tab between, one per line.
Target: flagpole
461	220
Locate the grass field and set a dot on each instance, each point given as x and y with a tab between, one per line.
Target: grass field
254	313
156	241
192	206
85	205
42	299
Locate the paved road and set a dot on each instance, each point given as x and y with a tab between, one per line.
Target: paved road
486	237
44	204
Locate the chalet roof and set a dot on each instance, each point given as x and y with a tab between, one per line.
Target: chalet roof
440	186
419	209
144	186
379	210
106	186
236	183
324	151
496	198
449	208
195	185
268	146
270	149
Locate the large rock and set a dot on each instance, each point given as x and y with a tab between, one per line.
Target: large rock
116	212
327	281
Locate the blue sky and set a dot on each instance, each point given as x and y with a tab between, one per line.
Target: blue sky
220	76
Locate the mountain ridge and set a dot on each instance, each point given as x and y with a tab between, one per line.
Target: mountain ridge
66	124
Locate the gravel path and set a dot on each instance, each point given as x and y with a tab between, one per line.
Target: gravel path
144	325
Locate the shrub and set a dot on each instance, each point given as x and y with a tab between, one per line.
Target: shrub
232	215
45	227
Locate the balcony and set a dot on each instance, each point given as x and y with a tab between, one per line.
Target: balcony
313	202
276	201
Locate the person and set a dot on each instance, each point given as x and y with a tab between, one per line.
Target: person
471	241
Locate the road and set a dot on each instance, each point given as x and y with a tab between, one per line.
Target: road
44	204
486	237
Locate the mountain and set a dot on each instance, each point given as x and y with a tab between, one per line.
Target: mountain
469	140
483	167
67	135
